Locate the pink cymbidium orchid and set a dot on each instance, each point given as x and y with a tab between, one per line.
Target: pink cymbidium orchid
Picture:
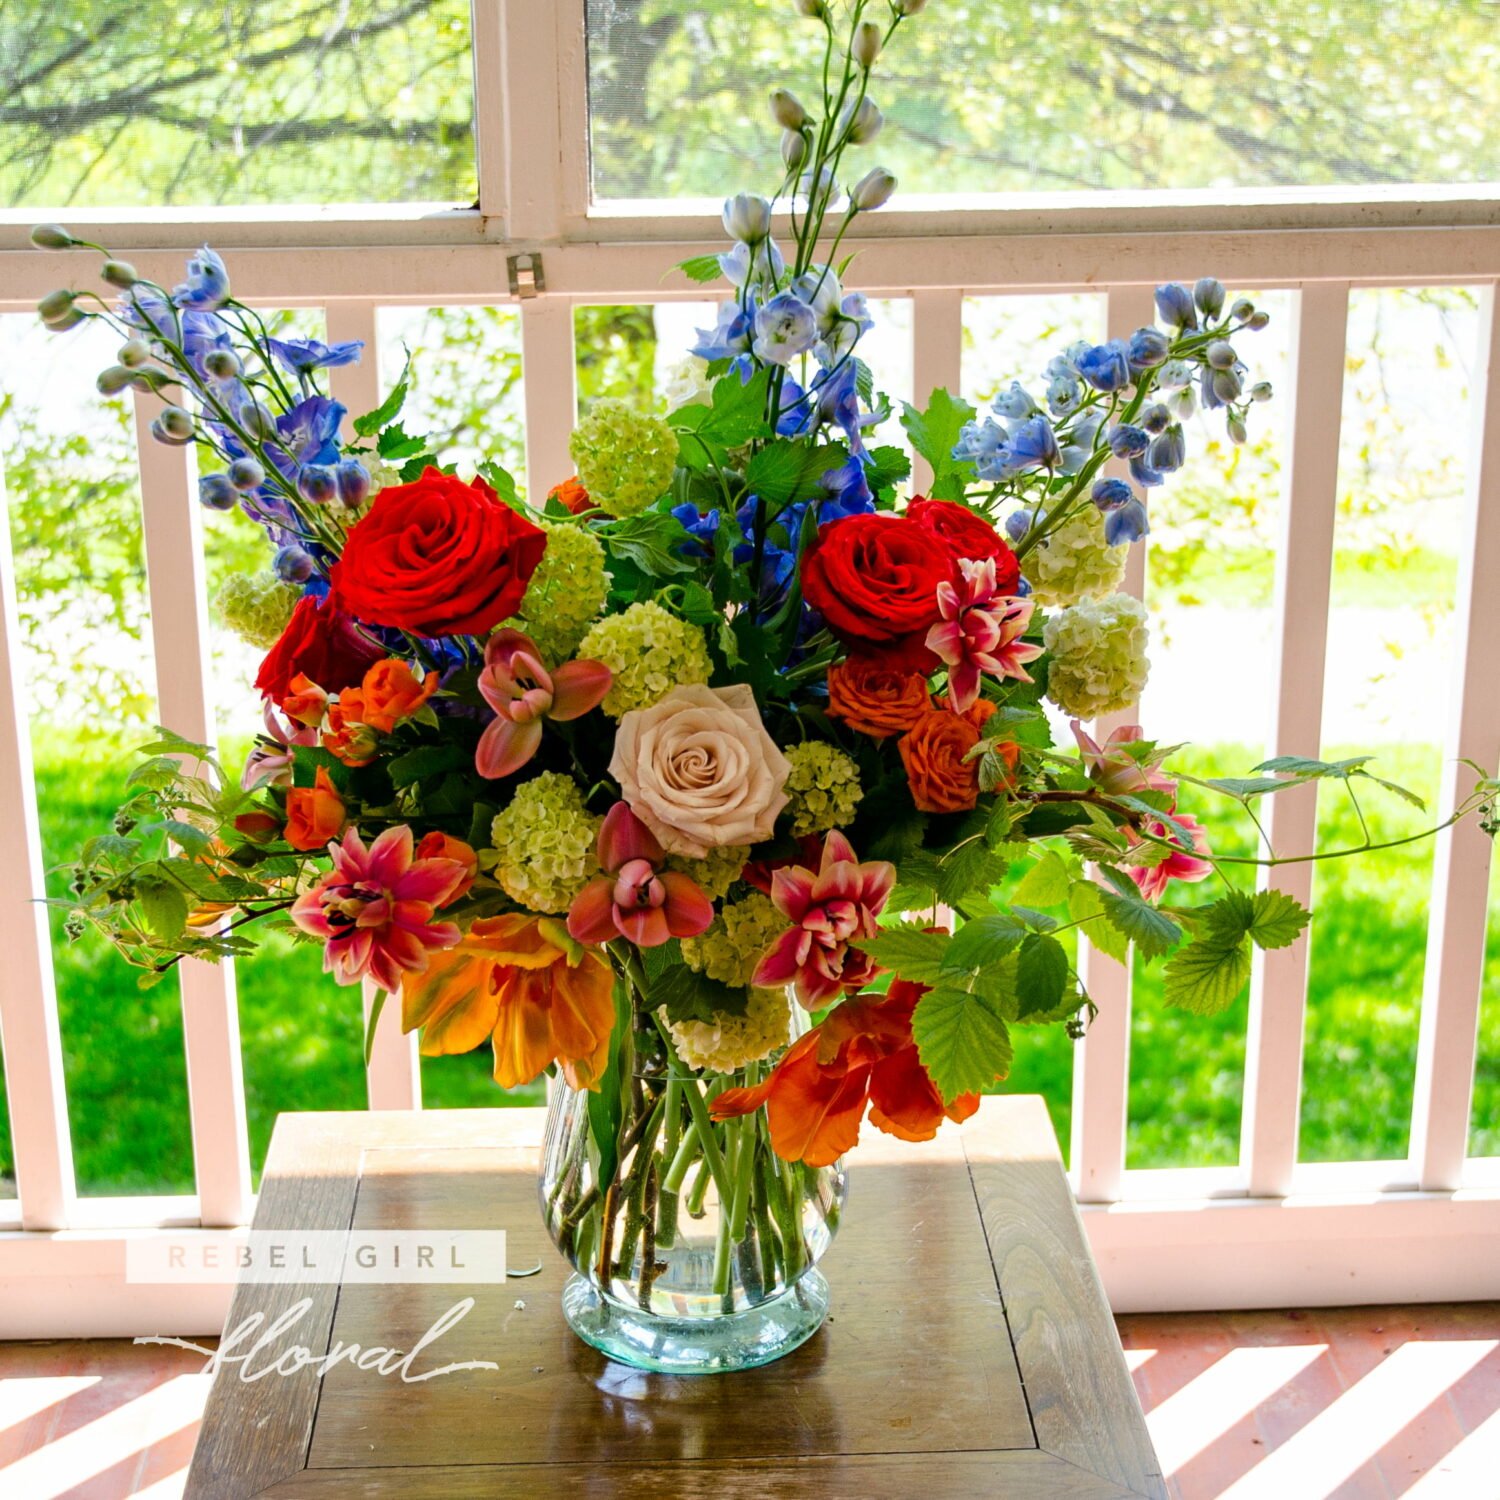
830	910
523	692
1180	866
980	631
636	898
266	766
374	908
1114	770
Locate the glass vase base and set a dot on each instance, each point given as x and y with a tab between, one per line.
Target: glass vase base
697	1346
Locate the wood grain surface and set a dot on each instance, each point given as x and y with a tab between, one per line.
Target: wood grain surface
923	1382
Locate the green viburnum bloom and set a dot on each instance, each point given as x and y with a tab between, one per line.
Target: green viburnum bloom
625	457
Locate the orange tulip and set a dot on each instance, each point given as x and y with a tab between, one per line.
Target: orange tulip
862	1055
315	814
522	983
441	846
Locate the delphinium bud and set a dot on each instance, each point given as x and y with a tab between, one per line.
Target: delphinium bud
1125	440
55	305
863	124
1155	417
292	565
1258	319
865	47
1148	347
1237	430
163	434
113	380
908	7
353	482
872	190
1209	295
119	273
787	110
51	237
1242	310
175	421
246	474
1220	355
1261	391
1168	449
1174	303
1228	385
216	493
256	419
793	149
317	483
747	217
222	364
816	9
1017	524
134	353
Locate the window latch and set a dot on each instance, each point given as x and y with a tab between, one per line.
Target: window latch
527	279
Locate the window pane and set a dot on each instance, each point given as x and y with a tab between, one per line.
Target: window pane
235	101
1386	692
1003	96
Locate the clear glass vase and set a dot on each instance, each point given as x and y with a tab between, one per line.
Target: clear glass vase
700	1254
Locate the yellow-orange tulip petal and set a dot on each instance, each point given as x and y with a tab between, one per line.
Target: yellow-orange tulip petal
522	1038
453	1000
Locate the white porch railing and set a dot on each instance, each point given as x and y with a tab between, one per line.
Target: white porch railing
1269	1232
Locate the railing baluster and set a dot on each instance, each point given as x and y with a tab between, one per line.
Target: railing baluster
549	378
1456	932
357	386
1304	563
29	1034
937	333
179	629
1101	1061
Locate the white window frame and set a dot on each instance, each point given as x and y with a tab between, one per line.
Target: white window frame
1419	1229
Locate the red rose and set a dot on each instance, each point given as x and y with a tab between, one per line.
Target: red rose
967	536
875	579
438	557
320	643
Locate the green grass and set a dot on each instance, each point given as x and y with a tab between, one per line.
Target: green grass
1245	577
127	1092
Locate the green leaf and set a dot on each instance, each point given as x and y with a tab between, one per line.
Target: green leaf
1046	883
1041	975
164	904
1313	770
426	761
911	953
605	1104
651	541
1270	919
1207	976
503	482
962	1040
395	444
377	1004
701	268
690	996
1086	907
888	467
1404	793
1243	787
738	415
983	941
1152	931
786	472
934	433
971	867
389	409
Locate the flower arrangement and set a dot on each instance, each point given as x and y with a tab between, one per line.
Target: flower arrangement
600	778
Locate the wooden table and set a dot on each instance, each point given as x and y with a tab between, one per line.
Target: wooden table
970	1351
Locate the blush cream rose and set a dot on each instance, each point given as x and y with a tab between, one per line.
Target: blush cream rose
700	771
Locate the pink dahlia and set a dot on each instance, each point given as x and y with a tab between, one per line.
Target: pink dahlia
523	692
830	911
636	898
374	908
1181	866
980	631
1113	769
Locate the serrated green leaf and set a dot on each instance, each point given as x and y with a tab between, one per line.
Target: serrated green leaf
1046	883
962	1040
701	268
652	541
737	415
910	953
503	482
426	761
1041	974
1313	770
888	467
688	995
395	443
1279	920
934	433
783	473
973	867
164	904
389	409
1086	907
1207	976
983	941
1152	931
1404	793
